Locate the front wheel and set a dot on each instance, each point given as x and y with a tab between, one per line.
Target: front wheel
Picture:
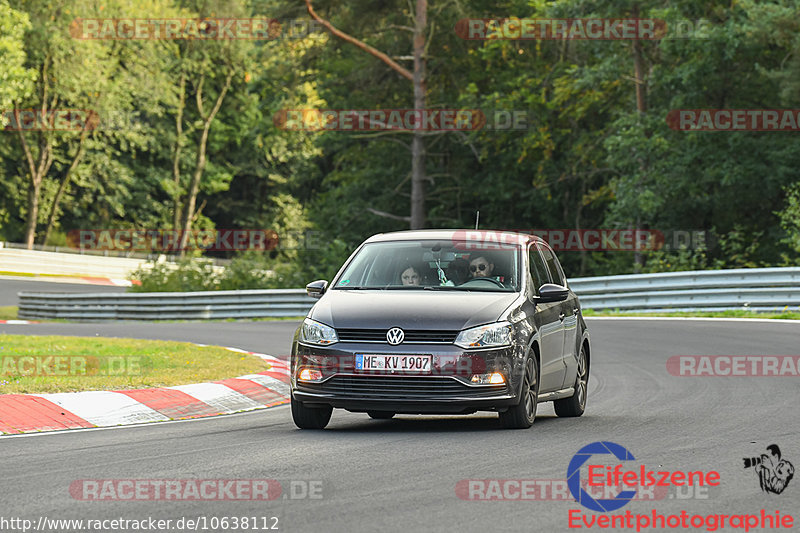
575	405
522	415
310	417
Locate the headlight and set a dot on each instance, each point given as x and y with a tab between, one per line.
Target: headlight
312	332
490	335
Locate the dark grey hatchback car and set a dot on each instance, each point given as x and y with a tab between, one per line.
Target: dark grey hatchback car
442	322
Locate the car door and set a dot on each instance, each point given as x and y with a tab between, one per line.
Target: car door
551	327
568	314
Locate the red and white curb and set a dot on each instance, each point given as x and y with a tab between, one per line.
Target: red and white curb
110	281
16	322
24	413
79	280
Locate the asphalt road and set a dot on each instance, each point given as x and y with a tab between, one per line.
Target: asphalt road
401	474
10	286
272	337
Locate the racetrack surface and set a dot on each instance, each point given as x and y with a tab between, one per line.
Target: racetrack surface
270	337
401	474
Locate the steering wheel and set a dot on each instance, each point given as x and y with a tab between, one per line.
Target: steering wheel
496	282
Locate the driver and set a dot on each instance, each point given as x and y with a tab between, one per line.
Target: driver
480	267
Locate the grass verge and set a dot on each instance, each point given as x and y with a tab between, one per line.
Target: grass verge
32	275
33	364
8	312
788	315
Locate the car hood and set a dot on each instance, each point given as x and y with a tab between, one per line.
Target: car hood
442	310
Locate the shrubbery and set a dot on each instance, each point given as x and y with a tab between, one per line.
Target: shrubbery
250	270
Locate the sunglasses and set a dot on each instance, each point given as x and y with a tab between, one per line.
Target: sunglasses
475	268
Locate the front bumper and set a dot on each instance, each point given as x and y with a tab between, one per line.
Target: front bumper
445	390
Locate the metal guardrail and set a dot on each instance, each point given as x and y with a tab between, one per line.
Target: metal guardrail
165	305
757	289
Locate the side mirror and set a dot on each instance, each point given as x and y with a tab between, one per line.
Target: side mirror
550	292
316	289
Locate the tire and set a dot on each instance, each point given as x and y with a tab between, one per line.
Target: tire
380	415
522	415
310	417
575	405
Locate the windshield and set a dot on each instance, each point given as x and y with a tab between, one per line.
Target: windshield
432	265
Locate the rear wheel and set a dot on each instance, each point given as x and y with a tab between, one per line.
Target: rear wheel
380	415
310	417
575	405
522	415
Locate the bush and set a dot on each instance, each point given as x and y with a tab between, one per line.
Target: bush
186	275
249	270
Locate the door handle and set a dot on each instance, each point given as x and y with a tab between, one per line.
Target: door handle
561	316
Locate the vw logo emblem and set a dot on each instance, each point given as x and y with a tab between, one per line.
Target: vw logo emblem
395	336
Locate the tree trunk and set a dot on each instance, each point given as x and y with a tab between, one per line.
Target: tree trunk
37	174
420	101
63	186
641	108
33	213
176	155
200	164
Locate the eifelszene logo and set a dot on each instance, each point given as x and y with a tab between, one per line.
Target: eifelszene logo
774	473
601	475
574	477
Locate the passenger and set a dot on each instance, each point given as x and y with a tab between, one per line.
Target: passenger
410	276
481	267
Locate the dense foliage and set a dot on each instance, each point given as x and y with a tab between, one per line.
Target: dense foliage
591	154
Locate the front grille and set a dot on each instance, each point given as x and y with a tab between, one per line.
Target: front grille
428	336
399	388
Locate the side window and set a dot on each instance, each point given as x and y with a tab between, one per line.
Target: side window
556	274
538	270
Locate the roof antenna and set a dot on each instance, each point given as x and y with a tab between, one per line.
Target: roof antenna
477	218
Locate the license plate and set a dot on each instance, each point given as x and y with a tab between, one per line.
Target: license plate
401	363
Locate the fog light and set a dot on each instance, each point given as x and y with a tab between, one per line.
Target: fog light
310	374
495	378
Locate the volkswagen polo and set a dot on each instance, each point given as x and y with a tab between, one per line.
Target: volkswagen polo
442	322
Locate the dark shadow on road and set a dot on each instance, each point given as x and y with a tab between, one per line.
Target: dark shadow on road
401	424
